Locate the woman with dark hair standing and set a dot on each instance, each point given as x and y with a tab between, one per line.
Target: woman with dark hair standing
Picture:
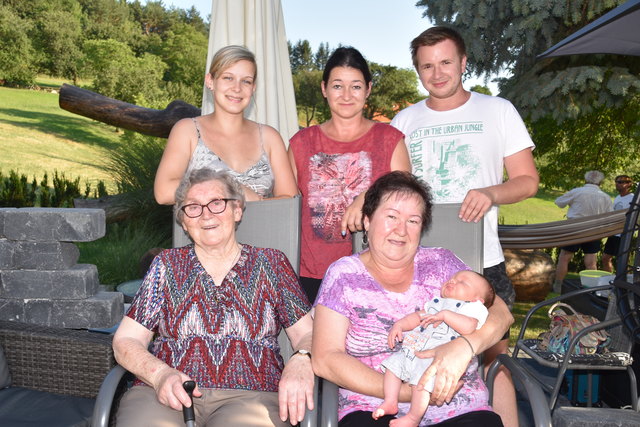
335	162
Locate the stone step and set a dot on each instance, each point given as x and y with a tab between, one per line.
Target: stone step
103	310
16	255
80	281
52	224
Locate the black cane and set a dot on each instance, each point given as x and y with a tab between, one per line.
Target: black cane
189	414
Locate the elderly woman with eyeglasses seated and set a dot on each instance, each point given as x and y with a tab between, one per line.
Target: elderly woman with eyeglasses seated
214	310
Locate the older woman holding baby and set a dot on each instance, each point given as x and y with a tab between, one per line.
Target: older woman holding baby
364	294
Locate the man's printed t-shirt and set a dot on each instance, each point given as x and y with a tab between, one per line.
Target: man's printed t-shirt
462	149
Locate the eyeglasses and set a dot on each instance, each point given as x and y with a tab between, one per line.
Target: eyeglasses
623	182
216	206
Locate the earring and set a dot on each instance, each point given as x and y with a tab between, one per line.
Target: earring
365	238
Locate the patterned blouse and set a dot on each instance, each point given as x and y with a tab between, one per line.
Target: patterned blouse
226	336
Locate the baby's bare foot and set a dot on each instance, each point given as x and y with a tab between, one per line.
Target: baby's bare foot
386	408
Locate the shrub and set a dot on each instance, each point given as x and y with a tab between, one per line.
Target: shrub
17	192
133	167
118	253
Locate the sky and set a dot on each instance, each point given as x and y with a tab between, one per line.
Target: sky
380	29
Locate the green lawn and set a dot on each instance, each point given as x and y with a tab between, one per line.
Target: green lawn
37	136
533	211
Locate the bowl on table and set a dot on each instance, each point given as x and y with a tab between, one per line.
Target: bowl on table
591	278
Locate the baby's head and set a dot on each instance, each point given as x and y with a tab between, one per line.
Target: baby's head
467	285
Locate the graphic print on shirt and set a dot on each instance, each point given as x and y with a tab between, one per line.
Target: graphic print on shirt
451	165
334	181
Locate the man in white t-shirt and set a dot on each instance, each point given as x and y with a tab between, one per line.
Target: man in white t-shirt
622	201
461	143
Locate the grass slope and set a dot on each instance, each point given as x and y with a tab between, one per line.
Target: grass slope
37	136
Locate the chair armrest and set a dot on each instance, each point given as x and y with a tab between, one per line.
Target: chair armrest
106	395
311	417
329	416
537	398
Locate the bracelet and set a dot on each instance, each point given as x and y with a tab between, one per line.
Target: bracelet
473	352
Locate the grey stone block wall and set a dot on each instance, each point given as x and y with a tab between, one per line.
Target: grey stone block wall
40	279
52	224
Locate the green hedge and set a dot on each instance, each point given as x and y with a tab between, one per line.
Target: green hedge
16	191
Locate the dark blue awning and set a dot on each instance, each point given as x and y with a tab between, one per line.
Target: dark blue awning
616	32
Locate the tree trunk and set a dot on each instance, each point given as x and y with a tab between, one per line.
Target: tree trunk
124	115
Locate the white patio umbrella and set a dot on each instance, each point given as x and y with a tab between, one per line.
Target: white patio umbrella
258	25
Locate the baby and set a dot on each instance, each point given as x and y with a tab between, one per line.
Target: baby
460	309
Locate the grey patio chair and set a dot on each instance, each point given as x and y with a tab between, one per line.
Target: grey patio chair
268	223
622	321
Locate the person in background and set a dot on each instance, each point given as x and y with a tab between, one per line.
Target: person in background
623	200
253	153
583	201
212	312
364	294
335	162
461	143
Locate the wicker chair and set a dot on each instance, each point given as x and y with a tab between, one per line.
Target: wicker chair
52	367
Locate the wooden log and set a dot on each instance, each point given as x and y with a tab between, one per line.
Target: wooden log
124	115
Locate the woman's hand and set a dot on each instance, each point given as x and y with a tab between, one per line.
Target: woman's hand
130	344
296	388
450	362
168	386
352	218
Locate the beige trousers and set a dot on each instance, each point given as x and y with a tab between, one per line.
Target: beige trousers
228	408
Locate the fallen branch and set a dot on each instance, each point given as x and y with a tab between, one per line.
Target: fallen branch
124	115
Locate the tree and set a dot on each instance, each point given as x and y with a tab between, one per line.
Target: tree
321	56
59	40
108	19
119	74
185	53
393	89
481	89
301	56
561	98
16	51
310	103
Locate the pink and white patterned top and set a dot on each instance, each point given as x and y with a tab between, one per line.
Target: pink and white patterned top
350	290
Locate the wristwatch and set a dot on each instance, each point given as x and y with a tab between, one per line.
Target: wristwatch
302	352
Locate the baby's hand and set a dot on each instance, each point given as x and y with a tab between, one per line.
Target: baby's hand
395	335
434	319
